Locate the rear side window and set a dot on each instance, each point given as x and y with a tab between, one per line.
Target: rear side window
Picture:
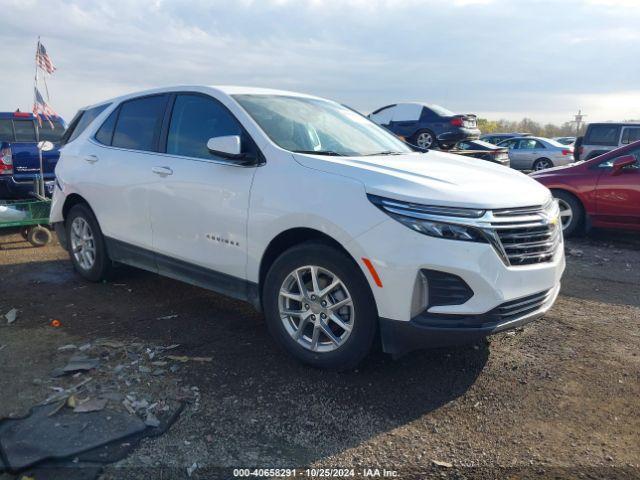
383	116
25	130
6	131
105	132
81	121
630	135
602	135
139	121
194	120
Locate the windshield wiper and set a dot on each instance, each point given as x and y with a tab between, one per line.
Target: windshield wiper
386	152
320	152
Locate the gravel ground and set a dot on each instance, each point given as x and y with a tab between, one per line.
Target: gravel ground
556	399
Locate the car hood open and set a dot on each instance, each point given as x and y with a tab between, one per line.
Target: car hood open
435	178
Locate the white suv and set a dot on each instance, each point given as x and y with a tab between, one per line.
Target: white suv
328	223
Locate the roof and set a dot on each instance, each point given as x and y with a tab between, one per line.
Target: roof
225	89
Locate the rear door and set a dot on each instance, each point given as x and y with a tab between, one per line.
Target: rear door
199	201
117	175
406	119
618	196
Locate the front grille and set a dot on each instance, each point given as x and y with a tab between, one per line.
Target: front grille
527	235
520	307
446	288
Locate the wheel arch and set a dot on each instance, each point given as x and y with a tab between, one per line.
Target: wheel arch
290	238
586	218
73	200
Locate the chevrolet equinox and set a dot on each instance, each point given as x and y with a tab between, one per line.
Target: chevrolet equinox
334	228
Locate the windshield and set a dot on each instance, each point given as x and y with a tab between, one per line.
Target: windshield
310	125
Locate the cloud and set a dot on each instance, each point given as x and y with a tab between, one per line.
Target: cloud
535	58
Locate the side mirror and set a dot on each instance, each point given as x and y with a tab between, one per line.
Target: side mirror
621	162
228	146
45	146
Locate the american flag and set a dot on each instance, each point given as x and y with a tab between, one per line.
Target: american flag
43	60
40	107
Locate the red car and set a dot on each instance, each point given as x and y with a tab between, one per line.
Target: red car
601	192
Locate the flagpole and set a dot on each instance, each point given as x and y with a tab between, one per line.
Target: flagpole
40	187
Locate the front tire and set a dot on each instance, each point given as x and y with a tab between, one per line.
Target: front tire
87	247
319	307
571	212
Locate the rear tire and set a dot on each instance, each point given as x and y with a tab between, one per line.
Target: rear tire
424	139
571	213
39	236
542	164
345	333
87	247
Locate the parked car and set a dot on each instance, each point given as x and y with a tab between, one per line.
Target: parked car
420	123
331	225
565	140
537	153
604	137
484	151
19	158
496	138
601	192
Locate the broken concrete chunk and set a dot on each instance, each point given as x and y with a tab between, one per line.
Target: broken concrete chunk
91	405
152	420
11	316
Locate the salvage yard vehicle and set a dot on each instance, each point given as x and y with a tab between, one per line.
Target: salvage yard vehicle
484	151
537	153
325	221
421	124
496	138
601	192
19	159
603	137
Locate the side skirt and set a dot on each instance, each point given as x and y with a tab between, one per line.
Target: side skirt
184	271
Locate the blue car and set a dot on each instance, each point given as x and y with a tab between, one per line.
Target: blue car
19	160
421	124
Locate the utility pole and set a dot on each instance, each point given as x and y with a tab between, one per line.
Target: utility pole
578	121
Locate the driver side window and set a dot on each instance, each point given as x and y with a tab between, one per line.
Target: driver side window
194	120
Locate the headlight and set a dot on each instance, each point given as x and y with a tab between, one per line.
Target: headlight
435	221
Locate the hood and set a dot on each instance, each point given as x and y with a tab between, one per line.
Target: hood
436	178
555	171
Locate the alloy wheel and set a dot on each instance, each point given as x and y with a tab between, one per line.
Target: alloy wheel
316	308
566	213
83	245
424	140
542	165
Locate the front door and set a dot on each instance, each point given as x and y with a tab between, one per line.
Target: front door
199	202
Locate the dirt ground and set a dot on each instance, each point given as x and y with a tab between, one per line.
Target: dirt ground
557	399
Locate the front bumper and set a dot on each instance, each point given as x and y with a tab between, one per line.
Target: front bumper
429	330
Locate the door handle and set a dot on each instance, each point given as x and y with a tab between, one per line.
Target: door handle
162	171
91	159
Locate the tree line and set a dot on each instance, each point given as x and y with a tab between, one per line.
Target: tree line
526	125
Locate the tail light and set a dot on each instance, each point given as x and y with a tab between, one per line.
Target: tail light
567	152
457	122
6	161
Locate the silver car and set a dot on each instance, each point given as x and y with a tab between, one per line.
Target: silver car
537	153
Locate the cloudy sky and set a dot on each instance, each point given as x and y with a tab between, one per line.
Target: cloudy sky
499	58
